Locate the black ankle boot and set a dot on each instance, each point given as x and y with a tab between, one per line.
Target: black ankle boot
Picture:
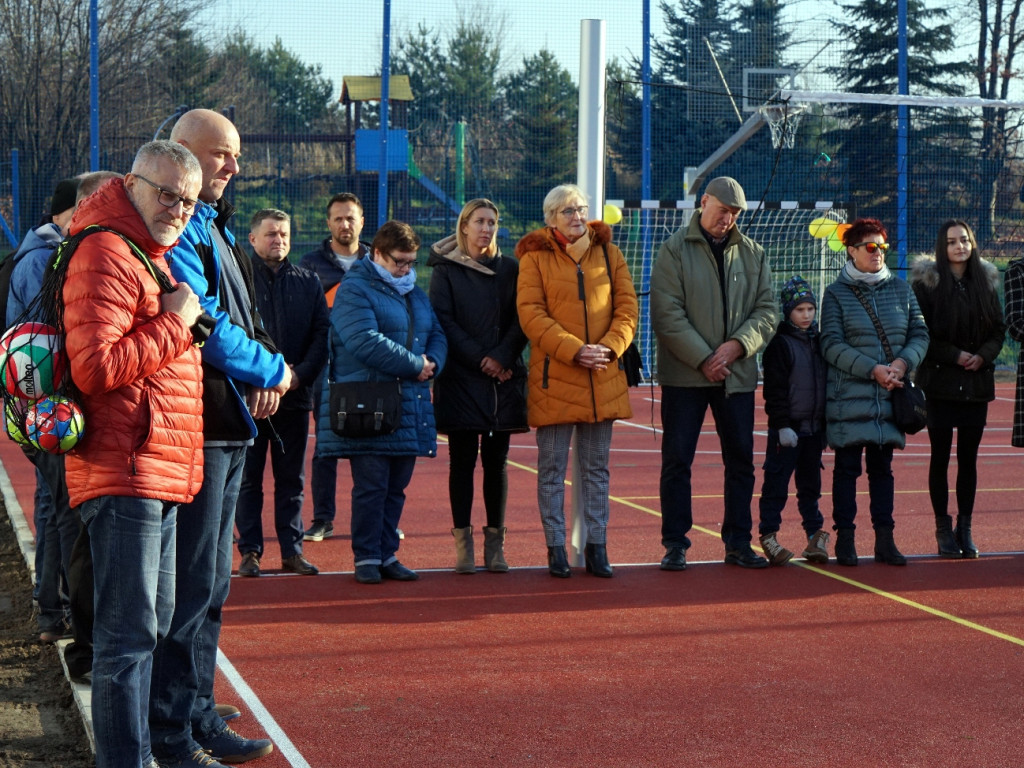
846	552
948	546
885	548
963	537
596	556
558	563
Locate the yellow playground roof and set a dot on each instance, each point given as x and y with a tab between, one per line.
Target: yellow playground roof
368	89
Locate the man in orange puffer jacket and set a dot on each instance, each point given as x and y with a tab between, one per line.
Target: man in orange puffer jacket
132	357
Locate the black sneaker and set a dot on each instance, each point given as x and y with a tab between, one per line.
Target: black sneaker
320	530
745	557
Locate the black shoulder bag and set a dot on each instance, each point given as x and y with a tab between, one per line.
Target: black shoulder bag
368	408
909	410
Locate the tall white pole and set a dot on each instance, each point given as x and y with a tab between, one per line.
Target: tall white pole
590	178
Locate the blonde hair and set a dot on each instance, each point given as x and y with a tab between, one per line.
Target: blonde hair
468	210
559	196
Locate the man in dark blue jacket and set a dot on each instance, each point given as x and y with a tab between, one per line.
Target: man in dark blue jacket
292	306
330	262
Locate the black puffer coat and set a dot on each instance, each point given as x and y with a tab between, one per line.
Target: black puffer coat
476	305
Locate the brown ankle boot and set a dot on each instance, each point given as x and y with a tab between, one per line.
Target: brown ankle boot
464	560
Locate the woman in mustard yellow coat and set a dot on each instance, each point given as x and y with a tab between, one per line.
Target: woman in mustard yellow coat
578	308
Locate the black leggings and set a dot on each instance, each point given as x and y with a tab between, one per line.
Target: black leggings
968	439
462	450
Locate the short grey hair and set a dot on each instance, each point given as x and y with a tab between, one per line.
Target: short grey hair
170	150
267	213
558	197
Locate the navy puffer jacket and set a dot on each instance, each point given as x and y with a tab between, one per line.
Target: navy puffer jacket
369	330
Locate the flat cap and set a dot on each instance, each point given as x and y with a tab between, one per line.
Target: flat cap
728	190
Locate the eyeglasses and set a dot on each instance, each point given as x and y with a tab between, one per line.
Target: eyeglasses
872	247
578	210
169	199
402	263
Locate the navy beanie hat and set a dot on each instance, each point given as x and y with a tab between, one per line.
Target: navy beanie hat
796	291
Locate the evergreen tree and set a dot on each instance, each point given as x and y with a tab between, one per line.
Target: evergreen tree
543	104
867	140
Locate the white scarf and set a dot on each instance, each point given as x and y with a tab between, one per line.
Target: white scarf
868	278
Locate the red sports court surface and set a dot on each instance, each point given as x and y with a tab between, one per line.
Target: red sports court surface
801	665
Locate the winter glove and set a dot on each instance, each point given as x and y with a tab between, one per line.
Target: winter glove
788	437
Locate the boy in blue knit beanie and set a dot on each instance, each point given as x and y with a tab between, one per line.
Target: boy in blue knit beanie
794	399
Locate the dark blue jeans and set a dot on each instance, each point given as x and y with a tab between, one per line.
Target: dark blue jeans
288	461
60	529
181	700
324	482
881	488
133	548
780	463
378	496
682	417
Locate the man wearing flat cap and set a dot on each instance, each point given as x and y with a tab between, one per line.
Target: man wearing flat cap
712	310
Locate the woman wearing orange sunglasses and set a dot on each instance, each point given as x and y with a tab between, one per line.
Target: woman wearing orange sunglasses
858	411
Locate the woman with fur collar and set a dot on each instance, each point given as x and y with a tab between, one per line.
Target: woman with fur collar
578	308
957	293
480	396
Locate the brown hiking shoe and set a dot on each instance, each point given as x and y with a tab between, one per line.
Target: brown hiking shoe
817	548
775	552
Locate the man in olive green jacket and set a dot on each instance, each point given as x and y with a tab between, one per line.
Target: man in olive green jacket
712	310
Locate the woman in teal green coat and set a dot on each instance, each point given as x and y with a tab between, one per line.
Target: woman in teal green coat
858	409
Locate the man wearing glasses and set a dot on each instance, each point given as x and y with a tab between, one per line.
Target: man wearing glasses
244	377
133	359
712	310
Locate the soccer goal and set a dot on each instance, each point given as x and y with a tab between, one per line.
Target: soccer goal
794	235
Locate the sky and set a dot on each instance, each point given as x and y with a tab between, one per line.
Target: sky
350	42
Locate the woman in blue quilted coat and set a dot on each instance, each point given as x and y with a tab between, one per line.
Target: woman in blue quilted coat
858	410
382	327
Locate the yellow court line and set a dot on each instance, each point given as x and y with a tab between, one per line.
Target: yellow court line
821	572
914	604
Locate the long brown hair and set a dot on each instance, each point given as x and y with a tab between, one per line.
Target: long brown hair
978	314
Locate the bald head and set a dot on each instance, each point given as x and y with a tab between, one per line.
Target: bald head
213	139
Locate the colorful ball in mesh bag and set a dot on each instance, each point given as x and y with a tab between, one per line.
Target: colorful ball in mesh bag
33	360
54	424
14	423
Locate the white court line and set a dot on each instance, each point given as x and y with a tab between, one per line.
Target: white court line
274	731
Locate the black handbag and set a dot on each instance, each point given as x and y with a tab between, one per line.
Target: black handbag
365	408
630	361
368	408
909	409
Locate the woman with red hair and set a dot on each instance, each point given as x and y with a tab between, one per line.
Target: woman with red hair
861	376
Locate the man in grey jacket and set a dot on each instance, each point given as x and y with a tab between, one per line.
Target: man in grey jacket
712	310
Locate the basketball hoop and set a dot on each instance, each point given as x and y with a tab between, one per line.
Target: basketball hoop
783	120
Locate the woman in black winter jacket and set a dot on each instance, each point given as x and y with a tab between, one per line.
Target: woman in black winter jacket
957	294
480	397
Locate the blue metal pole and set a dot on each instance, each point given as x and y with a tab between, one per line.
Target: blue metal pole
16	193
385	93
94	85
646	255
902	133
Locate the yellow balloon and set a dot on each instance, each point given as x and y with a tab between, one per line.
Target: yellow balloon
835	242
612	214
822	227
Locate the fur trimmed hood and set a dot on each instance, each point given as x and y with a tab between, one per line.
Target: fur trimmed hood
447	250
925	272
598	233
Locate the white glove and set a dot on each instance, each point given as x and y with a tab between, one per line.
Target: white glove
788	437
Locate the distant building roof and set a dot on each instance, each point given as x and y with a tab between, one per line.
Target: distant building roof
368	89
